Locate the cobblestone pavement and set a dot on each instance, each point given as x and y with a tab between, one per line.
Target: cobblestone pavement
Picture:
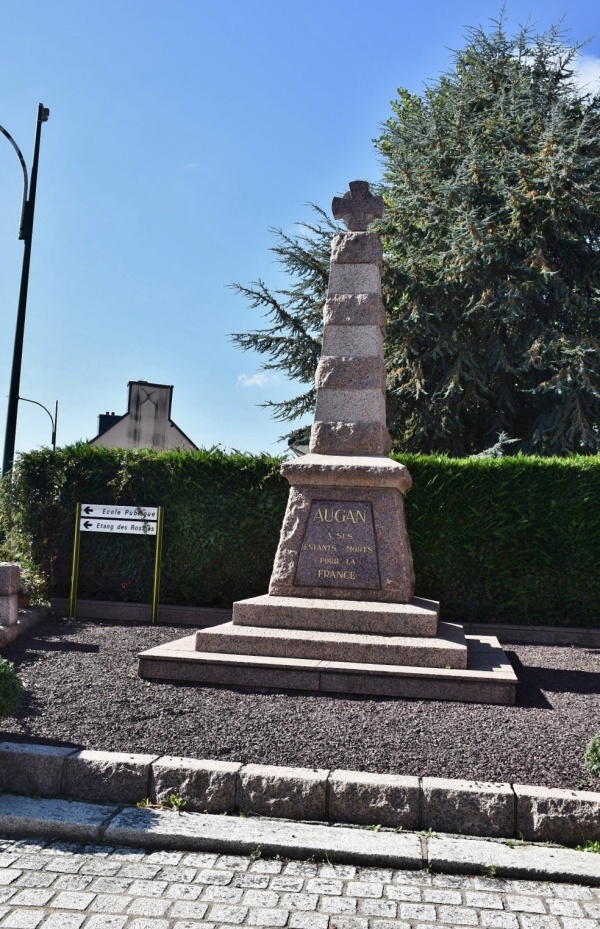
53	885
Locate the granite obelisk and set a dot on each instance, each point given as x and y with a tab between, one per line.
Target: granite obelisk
344	533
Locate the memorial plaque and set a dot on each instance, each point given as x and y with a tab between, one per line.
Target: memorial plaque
339	547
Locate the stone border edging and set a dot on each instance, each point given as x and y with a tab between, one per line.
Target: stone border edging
510	811
114	611
537	635
202	617
27	619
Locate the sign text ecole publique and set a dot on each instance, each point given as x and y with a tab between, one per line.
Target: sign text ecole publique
121	520
128	520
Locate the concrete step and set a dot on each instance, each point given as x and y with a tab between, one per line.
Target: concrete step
488	679
417	618
447	649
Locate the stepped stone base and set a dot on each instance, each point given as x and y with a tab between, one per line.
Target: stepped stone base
417	618
448	649
488	678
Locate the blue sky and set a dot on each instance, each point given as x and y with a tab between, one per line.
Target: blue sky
180	131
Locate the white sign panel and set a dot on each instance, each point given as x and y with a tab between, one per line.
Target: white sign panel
123	526
111	511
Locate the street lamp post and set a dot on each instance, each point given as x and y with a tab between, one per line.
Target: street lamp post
53	419
25	233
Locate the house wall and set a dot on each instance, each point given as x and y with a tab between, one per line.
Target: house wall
147	424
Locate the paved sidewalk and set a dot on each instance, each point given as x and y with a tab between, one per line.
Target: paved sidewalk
163	830
56	885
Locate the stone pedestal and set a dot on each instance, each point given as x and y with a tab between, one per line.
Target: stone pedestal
344	533
10	585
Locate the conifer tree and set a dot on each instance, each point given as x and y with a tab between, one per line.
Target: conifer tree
292	340
492	257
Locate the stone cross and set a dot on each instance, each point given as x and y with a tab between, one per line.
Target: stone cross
358	207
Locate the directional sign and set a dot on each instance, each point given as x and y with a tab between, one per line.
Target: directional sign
111	511
123	526
119	520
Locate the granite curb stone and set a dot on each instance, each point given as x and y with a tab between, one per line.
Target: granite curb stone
552	815
293	793
360	798
203	786
467	807
112	777
374	799
114	611
36	769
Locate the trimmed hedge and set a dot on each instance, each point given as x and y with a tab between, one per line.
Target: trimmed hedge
496	540
222	520
514	540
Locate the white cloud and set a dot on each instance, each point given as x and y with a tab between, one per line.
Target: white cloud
260	379
586	69
587	73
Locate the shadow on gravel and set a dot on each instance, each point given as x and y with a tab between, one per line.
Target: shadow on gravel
29	707
31	651
26	739
534	682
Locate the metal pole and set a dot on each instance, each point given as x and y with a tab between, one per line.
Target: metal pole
75	566
27	226
157	564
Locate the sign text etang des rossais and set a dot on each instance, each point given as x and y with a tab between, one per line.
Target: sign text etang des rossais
123	520
339	547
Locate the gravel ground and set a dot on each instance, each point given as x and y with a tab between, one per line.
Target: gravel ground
82	689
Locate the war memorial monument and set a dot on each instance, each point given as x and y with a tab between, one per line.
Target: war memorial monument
340	615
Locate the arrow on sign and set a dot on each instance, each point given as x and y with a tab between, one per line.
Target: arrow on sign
88	510
87	524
